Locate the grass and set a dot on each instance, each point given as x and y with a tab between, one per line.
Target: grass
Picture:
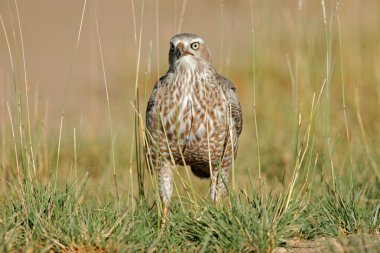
307	167
39	218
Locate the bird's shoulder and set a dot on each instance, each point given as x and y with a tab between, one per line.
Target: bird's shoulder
161	82
159	85
236	112
225	82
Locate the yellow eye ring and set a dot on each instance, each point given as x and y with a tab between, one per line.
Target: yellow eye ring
195	45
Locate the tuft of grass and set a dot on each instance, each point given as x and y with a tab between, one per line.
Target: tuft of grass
70	219
340	212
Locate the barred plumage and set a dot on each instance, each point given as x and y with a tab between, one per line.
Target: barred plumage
193	117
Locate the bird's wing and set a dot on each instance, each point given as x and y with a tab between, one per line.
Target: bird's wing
151	103
234	102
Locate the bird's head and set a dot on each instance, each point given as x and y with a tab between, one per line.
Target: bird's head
189	49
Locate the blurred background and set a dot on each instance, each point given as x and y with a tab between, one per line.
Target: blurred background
279	54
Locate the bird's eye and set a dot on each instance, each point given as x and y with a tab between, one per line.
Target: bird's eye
171	46
195	45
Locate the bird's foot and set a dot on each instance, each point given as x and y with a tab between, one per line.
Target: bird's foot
163	220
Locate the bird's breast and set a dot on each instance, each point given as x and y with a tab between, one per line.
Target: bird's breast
191	102
193	112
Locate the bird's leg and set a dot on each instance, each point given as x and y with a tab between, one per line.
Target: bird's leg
213	191
165	184
219	177
219	181
164	216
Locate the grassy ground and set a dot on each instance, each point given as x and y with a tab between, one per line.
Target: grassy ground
73	176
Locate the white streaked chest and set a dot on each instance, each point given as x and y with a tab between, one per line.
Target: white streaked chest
191	103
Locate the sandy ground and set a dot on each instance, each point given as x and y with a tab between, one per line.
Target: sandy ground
352	243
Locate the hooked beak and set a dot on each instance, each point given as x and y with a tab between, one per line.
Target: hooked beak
180	51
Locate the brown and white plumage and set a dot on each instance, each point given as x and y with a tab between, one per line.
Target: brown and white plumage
193	118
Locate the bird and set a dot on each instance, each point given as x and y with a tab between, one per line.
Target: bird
193	118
